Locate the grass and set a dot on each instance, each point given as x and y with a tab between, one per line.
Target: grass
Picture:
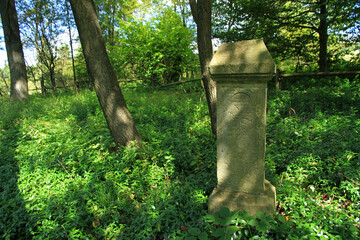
61	176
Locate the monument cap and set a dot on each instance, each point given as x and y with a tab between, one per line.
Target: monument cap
248	59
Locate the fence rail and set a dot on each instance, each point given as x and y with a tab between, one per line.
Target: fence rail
280	77
178	83
320	74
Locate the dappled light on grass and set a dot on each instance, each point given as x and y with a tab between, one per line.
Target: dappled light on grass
313	152
74	187
64	178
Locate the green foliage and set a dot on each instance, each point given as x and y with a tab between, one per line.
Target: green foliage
82	77
313	151
291	29
5	81
68	180
109	11
61	176
41	24
157	51
227	224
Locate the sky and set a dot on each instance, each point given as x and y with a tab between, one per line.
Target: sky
3	56
30	56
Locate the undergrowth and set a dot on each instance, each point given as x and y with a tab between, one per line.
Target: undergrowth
61	176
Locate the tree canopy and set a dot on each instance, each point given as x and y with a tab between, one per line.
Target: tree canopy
156	41
290	28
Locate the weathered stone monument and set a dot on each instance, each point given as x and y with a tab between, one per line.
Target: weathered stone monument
241	71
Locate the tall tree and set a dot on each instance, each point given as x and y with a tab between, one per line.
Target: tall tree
181	7
42	22
321	17
287	24
119	120
19	86
322	30
201	12
2	76
69	25
109	13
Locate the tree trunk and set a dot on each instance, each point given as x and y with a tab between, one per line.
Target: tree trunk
3	78
52	75
323	37
201	11
71	48
34	77
50	61
73	61
19	85
107	89
39	51
42	79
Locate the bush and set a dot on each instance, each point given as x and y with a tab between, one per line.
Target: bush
158	51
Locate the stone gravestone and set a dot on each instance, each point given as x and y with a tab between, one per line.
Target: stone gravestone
241	71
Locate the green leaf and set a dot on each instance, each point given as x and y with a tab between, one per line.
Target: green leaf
246	216
282	219
261	215
194	231
219	232
224	212
223	221
191	238
231	230
253	222
261	226
209	218
203	236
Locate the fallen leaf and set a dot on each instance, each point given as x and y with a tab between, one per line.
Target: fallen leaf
96	223
183	228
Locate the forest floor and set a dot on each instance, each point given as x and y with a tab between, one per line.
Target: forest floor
61	176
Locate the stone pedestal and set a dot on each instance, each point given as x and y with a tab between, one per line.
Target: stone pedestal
241	71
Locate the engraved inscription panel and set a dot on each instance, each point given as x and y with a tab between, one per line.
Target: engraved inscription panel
240	135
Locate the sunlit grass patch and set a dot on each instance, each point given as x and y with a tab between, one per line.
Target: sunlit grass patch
61	176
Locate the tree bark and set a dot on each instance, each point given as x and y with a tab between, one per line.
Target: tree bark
201	11
323	37
48	58
3	78
71	48
38	47
19	85
119	120
73	60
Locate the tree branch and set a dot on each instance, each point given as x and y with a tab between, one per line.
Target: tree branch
194	8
